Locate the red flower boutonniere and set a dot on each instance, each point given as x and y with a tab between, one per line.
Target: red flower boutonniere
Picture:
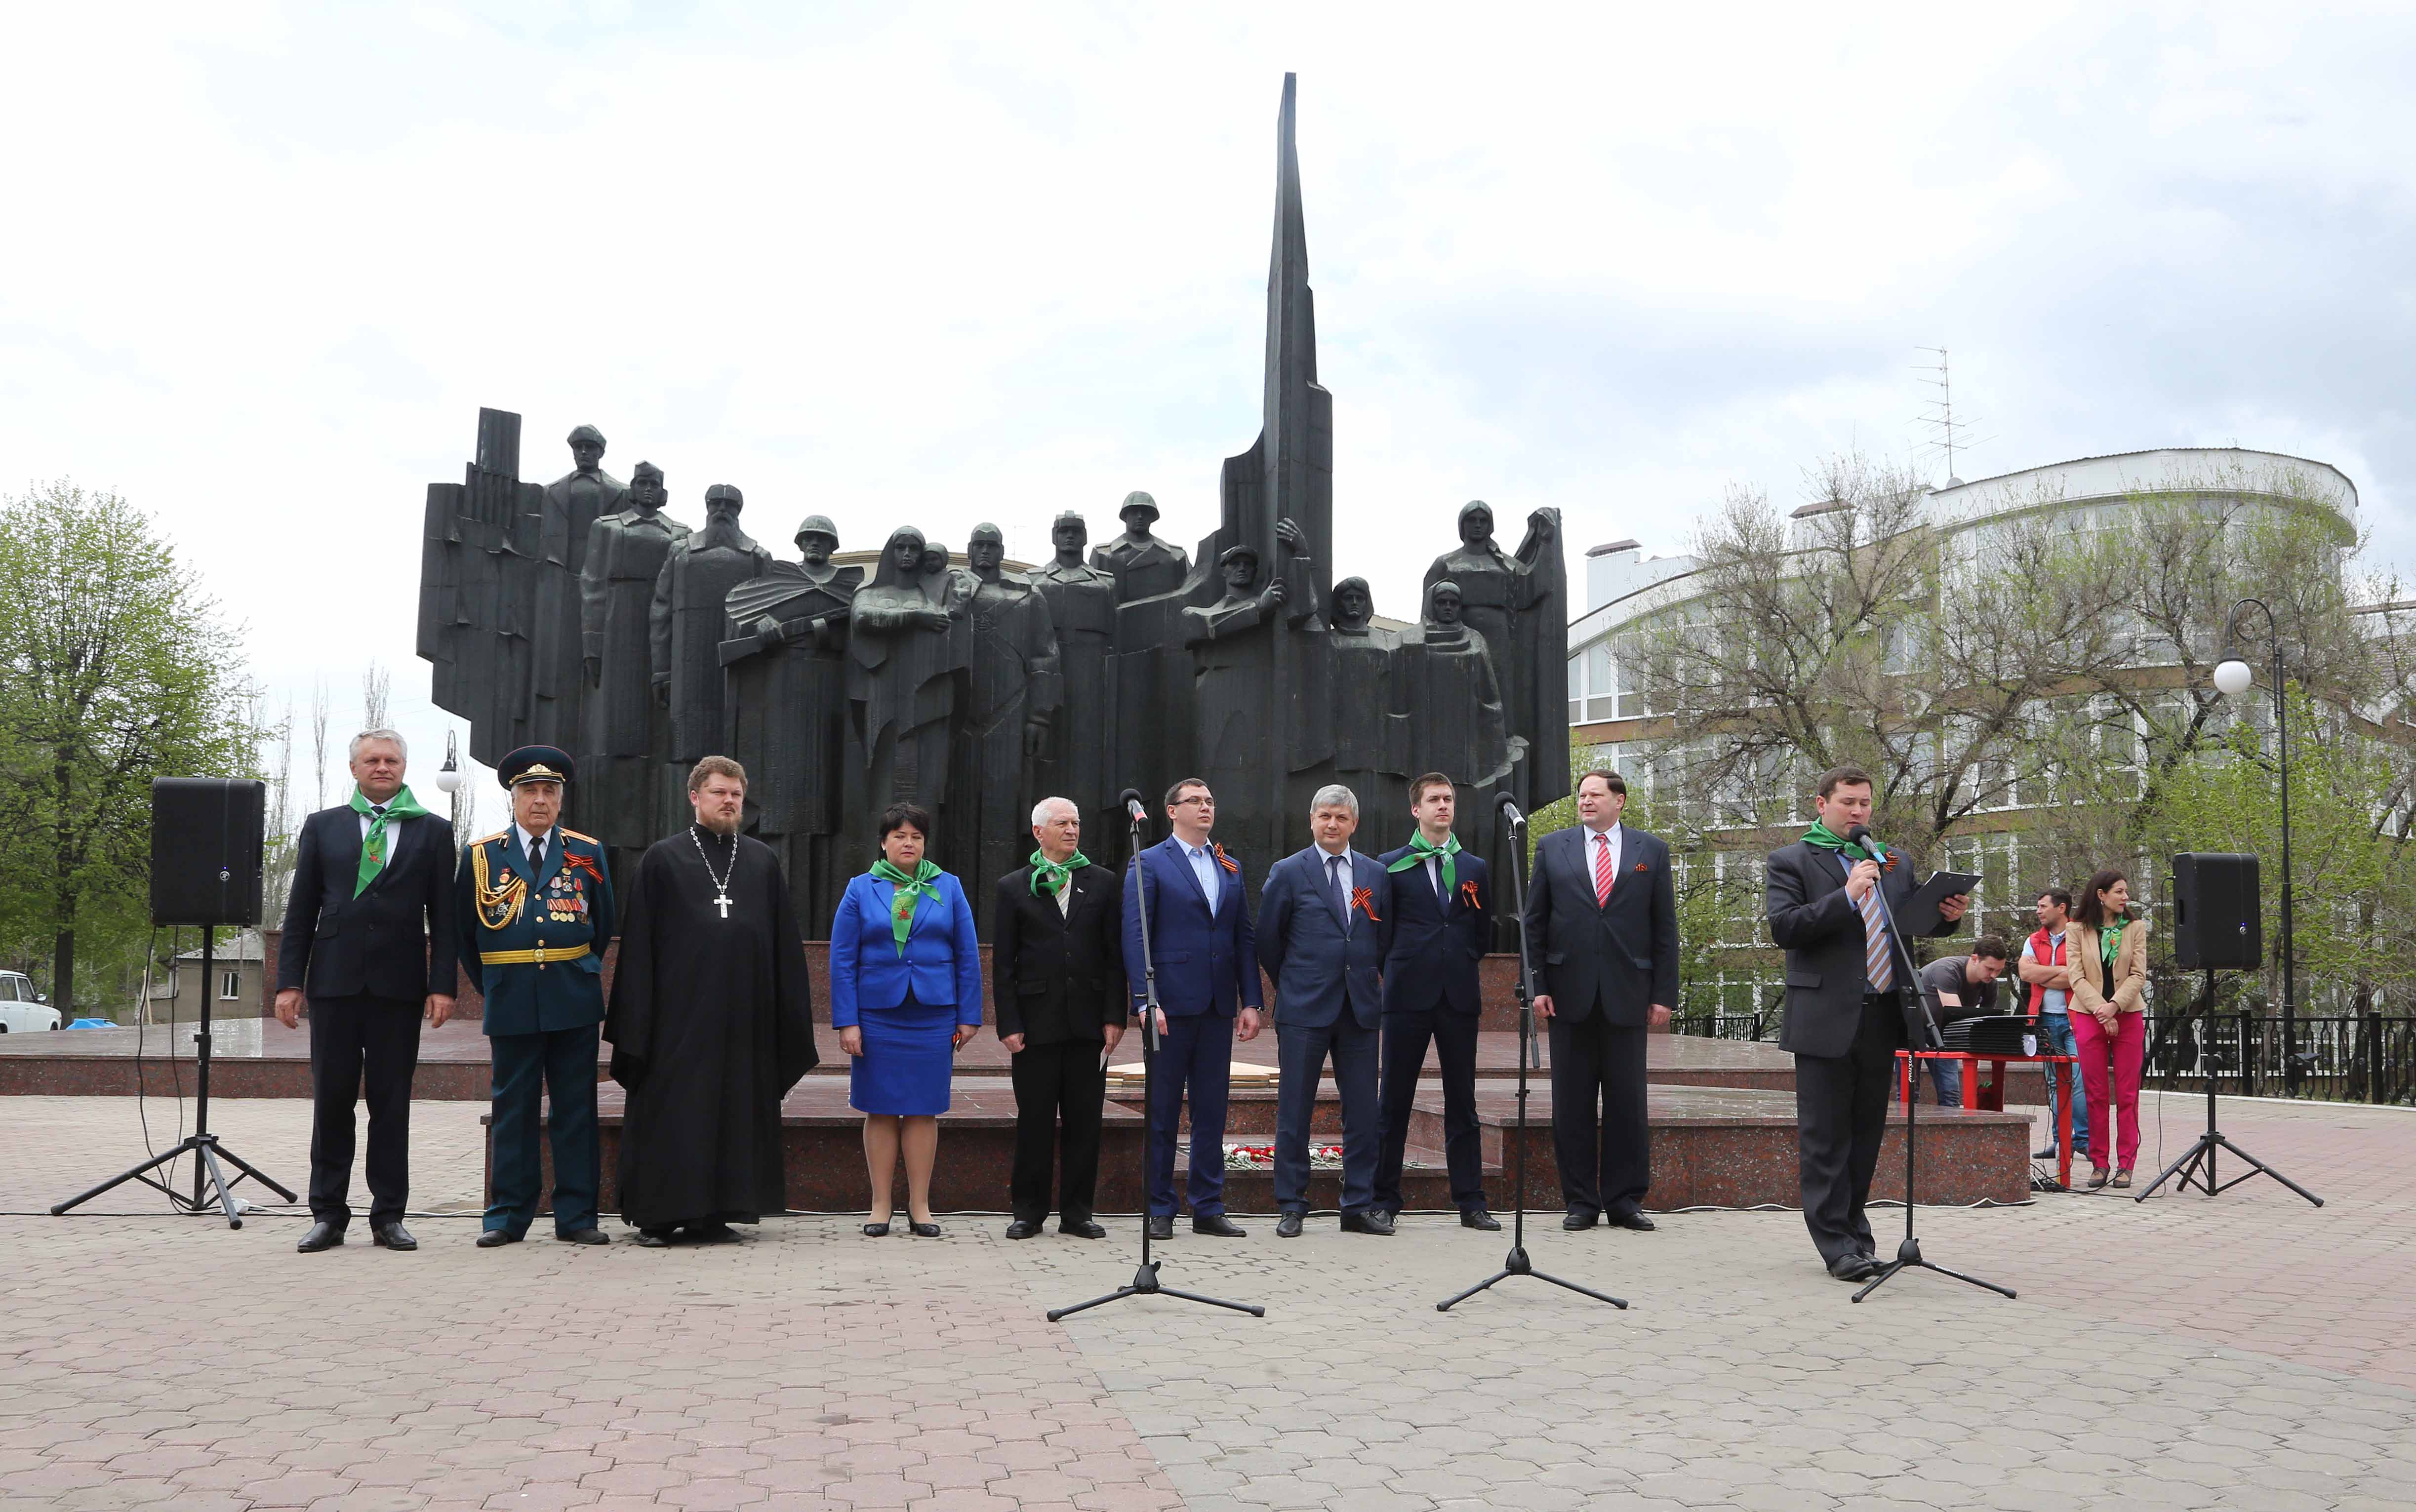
1364	899
1888	864
1468	890
1224	860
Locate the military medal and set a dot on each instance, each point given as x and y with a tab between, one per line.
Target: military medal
720	884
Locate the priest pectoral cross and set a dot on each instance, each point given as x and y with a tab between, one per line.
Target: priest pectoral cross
722	901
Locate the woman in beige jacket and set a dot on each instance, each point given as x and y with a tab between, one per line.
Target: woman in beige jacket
2108	949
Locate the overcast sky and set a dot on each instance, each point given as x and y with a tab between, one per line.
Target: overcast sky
937	264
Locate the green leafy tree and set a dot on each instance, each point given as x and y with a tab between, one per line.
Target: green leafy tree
118	669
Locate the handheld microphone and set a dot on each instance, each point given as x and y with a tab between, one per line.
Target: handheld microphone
1131	798
1509	807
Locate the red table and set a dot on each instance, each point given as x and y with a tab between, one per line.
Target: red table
1990	1095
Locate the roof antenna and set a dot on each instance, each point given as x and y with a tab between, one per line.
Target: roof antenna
1950	433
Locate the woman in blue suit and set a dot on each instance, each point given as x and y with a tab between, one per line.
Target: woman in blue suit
906	994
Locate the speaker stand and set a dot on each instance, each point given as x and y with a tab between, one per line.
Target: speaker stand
211	1187
2196	1168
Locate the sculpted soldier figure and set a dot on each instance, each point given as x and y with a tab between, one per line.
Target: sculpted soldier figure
1371	728
1517	605
1458	721
784	698
1144	564
686	619
573	502
1232	669
901	683
1082	609
1014	691
627	738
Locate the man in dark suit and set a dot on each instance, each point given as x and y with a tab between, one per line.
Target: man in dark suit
1601	932
1324	928
1845	1016
368	938
1200	937
1443	915
1056	986
536	908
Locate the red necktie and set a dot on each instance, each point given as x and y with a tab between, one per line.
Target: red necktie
1602	878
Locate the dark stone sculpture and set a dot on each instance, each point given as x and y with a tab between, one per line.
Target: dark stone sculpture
573	503
904	655
1519	606
784	698
1012	695
1082	608
688	618
627	742
974	691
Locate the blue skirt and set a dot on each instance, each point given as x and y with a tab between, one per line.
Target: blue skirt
909	1056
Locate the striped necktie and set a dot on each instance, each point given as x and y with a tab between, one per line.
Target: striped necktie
1878	969
1602	877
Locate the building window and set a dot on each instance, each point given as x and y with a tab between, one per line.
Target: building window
230	986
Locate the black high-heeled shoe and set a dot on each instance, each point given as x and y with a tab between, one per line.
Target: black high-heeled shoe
877	1230
923	1231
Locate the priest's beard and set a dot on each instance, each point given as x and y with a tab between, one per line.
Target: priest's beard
717	830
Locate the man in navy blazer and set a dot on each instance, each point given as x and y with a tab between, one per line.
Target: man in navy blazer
370	939
1443	915
1602	936
1207	959
1325	923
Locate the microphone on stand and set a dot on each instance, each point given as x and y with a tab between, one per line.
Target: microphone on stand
1861	835
1131	798
1509	807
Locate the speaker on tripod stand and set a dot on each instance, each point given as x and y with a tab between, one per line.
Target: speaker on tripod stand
207	836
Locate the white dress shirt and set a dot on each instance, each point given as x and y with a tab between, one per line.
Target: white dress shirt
529	844
1616	836
1210	875
1328	880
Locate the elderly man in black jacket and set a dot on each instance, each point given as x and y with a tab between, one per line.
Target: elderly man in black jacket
371	897
1057	990
1844	1014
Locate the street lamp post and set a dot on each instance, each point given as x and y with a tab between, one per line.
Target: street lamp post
2232	677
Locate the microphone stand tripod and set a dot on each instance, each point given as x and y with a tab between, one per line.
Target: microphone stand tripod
1517	1262
1908	1254
2196	1168
1145	1281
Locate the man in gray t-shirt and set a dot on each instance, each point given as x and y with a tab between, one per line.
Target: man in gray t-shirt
1960	987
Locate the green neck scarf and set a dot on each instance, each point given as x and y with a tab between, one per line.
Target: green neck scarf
1053	877
1828	840
1419	850
2110	940
402	806
911	892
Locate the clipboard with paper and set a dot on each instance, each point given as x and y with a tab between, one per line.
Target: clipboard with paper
1917	915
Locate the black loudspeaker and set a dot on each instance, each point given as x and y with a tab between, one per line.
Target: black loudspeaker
2217	915
207	834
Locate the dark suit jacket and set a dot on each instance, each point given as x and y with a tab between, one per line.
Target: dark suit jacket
1624	953
1816	923
1205	965
1436	942
1057	976
1320	971
379	943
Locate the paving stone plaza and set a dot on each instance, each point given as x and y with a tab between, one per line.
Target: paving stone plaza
2246	1351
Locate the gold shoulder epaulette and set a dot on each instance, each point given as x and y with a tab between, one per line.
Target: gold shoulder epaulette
576	836
497	836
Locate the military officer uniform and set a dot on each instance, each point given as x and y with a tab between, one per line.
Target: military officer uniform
532	937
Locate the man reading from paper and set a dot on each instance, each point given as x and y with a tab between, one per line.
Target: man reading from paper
711	1022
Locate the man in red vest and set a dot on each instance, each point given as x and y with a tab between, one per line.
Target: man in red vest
2044	971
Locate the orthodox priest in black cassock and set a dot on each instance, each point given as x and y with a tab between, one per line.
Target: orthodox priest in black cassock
711	1023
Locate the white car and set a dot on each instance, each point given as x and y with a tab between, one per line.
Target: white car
21	1008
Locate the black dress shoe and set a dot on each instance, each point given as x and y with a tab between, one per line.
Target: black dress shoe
1288	1226
585	1236
1218	1225
923	1231
1580	1217
1161	1227
392	1236
1367	1220
716	1233
1632	1220
1082	1229
1854	1267
1023	1229
1477	1218
322	1235
654	1238
494	1238
2047	1154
